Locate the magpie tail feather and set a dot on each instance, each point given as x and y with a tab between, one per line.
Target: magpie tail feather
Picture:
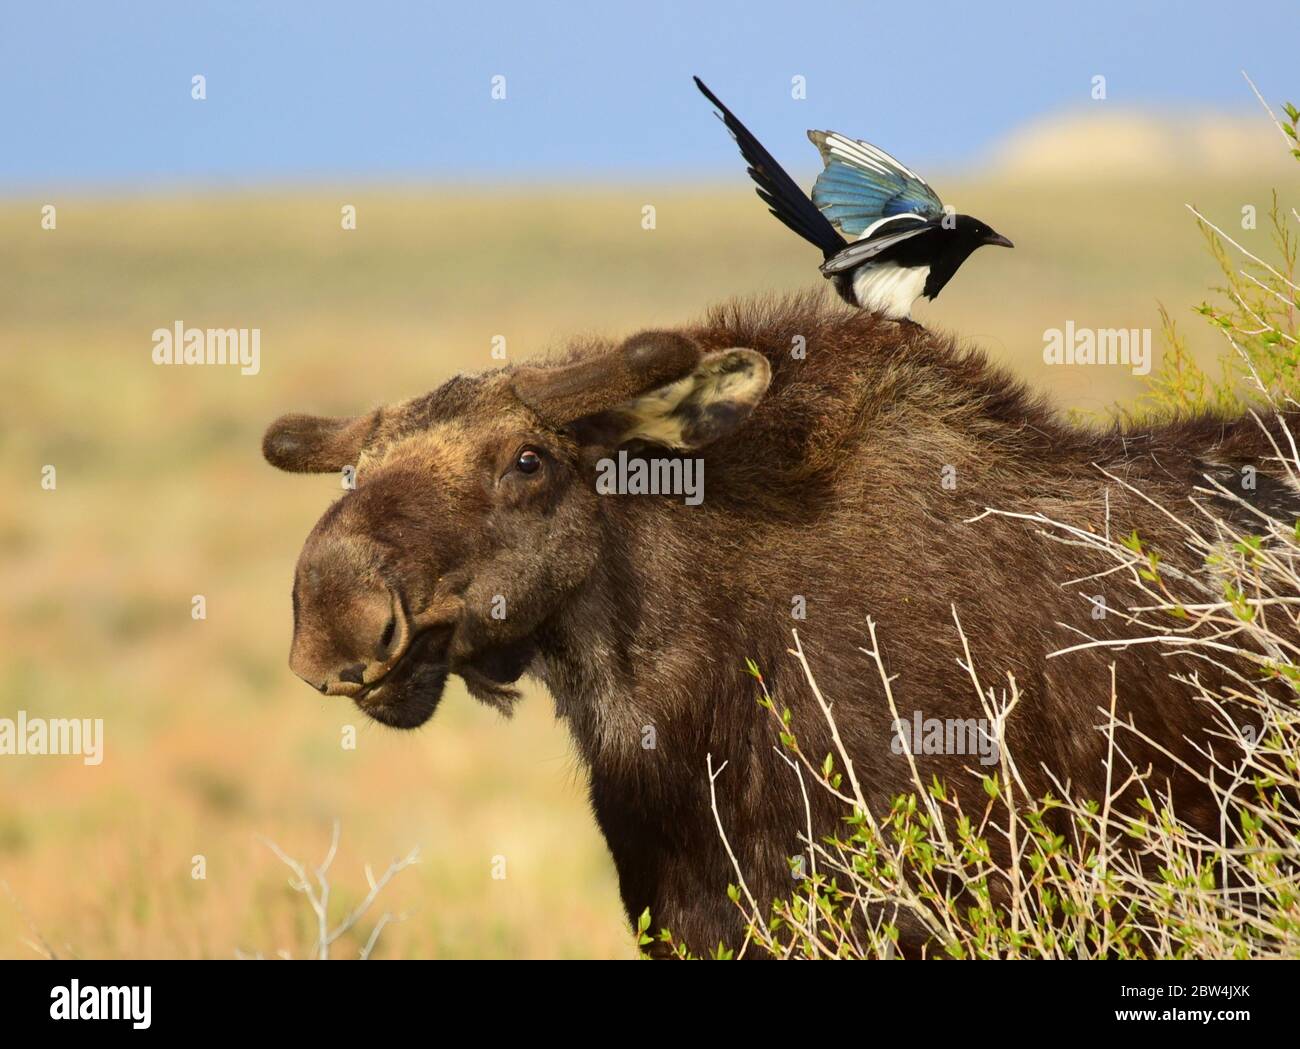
777	189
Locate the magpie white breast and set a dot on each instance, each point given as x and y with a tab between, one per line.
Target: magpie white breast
886	237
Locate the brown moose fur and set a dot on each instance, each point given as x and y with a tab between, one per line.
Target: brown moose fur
639	612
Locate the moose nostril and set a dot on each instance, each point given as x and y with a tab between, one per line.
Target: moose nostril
387	638
354	673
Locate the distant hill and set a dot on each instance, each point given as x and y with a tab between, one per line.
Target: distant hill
1142	143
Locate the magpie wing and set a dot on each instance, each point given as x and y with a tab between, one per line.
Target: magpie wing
861	184
892	231
778	190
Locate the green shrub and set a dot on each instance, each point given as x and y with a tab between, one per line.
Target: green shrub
1256	309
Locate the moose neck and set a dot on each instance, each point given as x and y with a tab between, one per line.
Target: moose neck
628	651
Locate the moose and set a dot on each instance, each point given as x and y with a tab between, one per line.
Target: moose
849	461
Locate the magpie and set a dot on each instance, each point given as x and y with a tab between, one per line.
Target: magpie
886	236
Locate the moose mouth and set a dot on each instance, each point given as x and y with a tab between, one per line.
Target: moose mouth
407	696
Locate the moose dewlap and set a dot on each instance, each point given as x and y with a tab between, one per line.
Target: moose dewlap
848	481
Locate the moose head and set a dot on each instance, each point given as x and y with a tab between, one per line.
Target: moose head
474	515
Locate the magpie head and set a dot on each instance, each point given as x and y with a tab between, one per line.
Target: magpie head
976	234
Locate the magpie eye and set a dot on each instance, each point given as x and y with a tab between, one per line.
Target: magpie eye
528	461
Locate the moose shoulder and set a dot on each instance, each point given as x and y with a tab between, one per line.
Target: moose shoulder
839	482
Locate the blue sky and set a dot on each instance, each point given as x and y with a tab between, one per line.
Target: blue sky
96	94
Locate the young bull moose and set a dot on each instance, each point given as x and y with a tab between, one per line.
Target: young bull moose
839	482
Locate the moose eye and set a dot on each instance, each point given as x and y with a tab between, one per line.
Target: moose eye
528	460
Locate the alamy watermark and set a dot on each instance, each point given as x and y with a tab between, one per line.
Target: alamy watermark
633	475
234	346
23	736
1130	347
92	1002
922	735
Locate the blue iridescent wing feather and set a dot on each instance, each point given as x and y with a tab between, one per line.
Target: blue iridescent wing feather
862	184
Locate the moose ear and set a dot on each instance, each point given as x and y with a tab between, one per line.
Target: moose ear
560	394
316	443
701	408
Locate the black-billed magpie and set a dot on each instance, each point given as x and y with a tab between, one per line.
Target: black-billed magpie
886	236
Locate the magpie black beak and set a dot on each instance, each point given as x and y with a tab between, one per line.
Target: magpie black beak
997	240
